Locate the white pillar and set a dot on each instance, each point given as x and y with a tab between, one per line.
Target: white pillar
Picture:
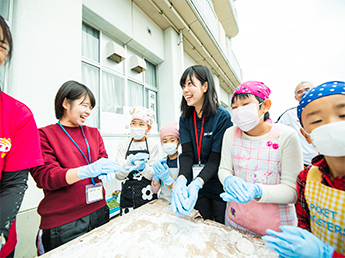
170	92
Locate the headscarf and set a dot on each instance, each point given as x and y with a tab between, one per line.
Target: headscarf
143	114
170	129
256	88
323	90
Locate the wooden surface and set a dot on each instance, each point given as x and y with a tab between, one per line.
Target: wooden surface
146	229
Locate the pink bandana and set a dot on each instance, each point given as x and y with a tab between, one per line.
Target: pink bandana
256	88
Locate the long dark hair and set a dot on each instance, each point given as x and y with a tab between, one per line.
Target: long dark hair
211	103
247	95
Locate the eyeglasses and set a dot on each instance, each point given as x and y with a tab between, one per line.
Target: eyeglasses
301	91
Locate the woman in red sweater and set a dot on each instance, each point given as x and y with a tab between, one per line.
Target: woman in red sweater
74	162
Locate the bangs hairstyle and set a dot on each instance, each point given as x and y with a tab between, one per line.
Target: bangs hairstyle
71	90
211	103
247	95
6	37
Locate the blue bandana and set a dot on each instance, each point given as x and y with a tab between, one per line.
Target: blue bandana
325	89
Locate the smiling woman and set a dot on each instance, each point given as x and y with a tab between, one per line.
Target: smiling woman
74	162
202	125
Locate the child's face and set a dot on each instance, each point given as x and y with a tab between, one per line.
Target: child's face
322	111
169	139
251	100
137	123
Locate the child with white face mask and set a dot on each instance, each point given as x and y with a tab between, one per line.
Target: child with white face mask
259	164
137	155
321	186
167	169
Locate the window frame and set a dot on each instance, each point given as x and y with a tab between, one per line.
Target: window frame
102	67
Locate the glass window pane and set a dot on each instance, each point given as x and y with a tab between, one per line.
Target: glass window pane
112	93
90	43
90	77
4	9
150	74
113	120
135	94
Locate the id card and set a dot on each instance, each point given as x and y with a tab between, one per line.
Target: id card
197	169
94	193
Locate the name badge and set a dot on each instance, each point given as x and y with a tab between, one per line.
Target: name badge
197	169
94	193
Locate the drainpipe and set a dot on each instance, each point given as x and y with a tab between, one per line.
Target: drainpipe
180	44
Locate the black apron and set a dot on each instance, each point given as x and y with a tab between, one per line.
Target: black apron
136	189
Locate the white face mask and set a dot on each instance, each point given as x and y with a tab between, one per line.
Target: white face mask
246	117
137	133
329	139
170	148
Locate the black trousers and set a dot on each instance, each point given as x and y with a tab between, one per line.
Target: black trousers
211	209
54	237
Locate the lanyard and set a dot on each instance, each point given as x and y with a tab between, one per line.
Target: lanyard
198	143
87	144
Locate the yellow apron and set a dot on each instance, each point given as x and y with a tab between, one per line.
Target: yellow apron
327	211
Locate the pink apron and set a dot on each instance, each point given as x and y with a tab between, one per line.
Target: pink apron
258	162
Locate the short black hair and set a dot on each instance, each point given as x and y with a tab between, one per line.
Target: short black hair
71	90
247	95
7	37
211	103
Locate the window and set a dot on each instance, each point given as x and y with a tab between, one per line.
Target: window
114	89
5	9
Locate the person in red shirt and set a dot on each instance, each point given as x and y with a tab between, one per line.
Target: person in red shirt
74	162
320	187
19	150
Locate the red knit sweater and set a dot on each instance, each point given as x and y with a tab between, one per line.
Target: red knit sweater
64	203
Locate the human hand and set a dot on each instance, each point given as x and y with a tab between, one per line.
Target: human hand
140	167
99	167
139	156
193	192
162	172
239	190
296	242
107	177
179	197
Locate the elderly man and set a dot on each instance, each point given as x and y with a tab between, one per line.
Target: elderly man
289	117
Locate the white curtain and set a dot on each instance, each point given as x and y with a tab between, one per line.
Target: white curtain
112	93
90	77
135	94
90	43
150	74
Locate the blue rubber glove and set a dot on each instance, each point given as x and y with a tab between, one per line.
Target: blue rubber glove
162	172
239	190
179	197
193	191
99	167
140	167
107	177
139	156
296	242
